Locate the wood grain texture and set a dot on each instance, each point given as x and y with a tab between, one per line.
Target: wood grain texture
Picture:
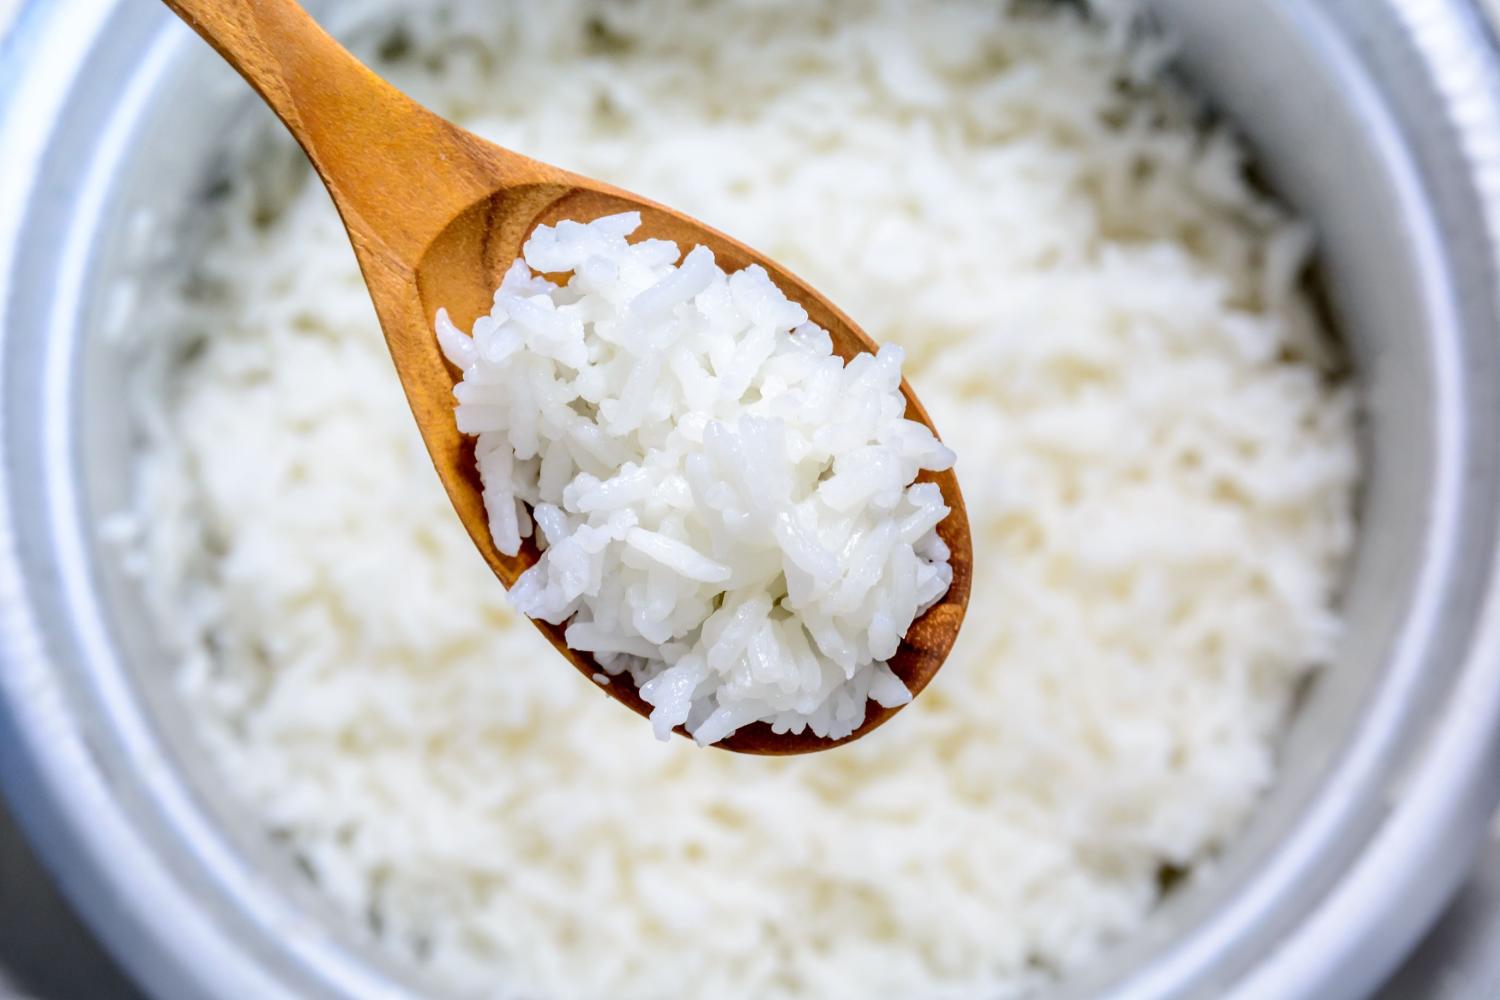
436	215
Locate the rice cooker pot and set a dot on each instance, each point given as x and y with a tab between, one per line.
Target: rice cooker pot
1378	119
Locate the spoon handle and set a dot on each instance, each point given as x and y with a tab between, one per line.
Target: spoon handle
389	163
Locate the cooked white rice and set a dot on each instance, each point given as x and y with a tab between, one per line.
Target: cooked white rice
1102	316
725	510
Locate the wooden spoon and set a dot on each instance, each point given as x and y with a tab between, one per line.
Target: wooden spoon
436	215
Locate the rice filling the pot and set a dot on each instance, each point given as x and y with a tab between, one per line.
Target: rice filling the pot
1104	316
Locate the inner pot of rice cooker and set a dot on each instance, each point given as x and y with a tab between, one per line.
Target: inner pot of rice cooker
1377	119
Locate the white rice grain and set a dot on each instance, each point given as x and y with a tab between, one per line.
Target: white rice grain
747	499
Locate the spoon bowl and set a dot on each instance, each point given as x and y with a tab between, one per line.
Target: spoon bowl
437	215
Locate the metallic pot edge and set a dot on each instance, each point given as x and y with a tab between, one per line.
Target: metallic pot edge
57	788
1428	71
66	790
1441	806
